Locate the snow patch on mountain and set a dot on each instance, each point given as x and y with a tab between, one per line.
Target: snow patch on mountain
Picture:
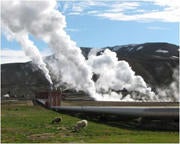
139	48
161	51
116	48
175	57
129	47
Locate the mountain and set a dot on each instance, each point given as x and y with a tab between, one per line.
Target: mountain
22	79
155	62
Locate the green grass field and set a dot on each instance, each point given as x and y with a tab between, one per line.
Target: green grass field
23	122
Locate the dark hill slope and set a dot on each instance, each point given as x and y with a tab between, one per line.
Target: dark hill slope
21	79
155	62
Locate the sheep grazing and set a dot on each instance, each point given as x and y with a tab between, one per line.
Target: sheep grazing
56	120
80	124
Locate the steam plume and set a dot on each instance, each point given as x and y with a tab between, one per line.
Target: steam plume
170	92
16	26
117	75
42	20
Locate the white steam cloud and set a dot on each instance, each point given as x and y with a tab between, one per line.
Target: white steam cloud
17	19
42	20
117	75
171	92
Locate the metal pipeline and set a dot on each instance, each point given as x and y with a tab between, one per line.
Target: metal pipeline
129	111
150	112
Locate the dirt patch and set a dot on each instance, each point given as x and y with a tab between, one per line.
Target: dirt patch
17	102
41	136
62	128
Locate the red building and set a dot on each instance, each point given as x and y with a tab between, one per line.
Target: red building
52	98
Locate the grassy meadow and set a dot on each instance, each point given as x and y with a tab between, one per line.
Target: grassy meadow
22	122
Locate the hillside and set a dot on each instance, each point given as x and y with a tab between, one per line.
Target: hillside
155	62
22	122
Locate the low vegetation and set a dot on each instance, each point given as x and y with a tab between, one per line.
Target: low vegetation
23	122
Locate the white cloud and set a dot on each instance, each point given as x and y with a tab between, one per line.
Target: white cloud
120	7
158	10
168	11
13	56
79	7
92	12
165	16
18	56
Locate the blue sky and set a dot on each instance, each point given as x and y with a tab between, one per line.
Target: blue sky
97	32
99	24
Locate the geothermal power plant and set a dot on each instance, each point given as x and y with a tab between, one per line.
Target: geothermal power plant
122	80
55	100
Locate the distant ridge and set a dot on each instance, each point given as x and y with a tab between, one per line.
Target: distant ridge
155	62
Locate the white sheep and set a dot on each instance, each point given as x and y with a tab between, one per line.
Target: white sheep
80	124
